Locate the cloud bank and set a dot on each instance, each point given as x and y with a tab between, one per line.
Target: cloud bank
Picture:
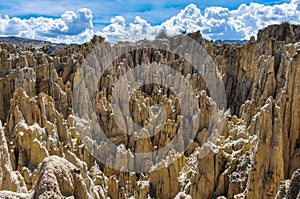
69	28
214	22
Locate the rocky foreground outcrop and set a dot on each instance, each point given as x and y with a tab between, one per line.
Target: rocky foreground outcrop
250	149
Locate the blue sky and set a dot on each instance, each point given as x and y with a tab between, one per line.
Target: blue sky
151	17
154	12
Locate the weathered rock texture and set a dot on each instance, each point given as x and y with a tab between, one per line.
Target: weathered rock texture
43	154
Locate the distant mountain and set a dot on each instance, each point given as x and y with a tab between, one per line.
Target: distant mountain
241	42
37	44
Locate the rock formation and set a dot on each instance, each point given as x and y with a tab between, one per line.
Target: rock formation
52	107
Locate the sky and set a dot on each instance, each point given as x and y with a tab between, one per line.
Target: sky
74	21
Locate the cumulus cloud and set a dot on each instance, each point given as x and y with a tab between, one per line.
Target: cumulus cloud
69	28
189	19
214	22
139	29
222	23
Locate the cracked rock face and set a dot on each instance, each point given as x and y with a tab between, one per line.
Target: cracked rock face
256	155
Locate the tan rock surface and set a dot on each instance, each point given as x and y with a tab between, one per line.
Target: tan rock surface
43	154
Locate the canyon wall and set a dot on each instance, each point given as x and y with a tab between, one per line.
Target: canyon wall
52	105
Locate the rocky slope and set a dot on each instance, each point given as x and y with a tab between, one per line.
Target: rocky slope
32	43
254	151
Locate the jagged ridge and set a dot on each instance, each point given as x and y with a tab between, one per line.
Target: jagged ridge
258	148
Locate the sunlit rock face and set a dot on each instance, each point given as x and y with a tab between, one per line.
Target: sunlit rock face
47	140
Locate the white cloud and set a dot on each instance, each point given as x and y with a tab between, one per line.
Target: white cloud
139	29
118	20
215	23
296	3
189	19
78	22
71	27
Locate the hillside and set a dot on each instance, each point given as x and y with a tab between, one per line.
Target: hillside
177	117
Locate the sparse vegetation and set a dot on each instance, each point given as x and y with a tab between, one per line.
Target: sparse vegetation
155	110
286	25
162	34
46	48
